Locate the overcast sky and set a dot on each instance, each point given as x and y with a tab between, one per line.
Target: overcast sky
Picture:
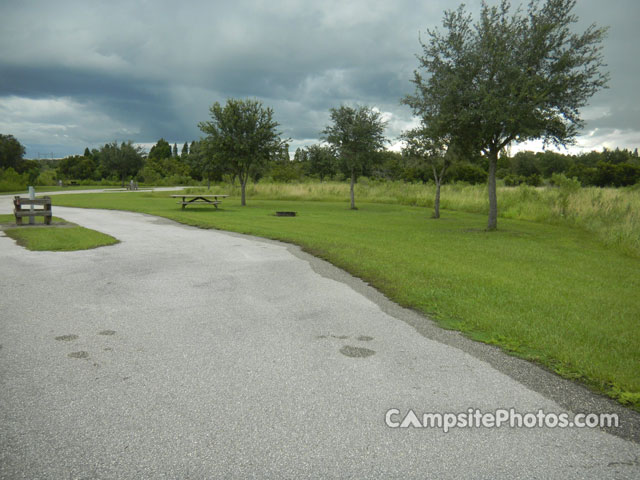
81	73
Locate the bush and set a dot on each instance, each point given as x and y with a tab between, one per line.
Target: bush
616	175
512	180
467	172
533	180
46	177
10	180
148	175
285	172
564	183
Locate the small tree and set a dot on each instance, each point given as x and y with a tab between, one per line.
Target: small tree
175	150
508	78
242	135
185	150
357	134
421	144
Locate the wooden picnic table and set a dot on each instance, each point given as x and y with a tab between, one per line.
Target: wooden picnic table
198	198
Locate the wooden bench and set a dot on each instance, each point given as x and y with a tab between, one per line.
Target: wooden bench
19	212
197	199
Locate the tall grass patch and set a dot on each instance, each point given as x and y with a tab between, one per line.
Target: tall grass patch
611	215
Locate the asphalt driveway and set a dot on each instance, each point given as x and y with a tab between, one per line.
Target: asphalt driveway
188	353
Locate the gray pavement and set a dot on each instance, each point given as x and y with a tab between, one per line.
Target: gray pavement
187	353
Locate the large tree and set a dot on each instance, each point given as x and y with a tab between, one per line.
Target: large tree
160	150
357	134
508	78
122	160
11	152
243	136
77	168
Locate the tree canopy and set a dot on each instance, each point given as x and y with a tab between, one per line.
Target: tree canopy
509	77
122	160
322	161
242	136
357	134
77	167
11	151
160	150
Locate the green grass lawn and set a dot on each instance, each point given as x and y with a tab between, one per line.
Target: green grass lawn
547	293
61	236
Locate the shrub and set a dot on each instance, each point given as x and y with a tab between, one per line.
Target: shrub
10	180
46	177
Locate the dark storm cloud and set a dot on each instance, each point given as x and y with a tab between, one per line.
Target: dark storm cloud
620	50
76	72
34	80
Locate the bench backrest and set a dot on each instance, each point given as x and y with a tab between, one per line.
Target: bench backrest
20	201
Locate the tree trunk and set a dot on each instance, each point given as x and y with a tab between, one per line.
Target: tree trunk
493	198
436	207
123	180
208	183
243	185
353	182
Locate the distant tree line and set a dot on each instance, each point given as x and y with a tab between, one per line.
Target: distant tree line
196	163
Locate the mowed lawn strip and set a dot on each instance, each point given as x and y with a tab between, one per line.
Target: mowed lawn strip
59	237
547	293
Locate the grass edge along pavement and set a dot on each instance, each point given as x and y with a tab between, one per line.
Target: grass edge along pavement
61	236
550	294
612	215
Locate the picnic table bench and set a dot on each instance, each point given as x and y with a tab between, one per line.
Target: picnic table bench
19	212
198	198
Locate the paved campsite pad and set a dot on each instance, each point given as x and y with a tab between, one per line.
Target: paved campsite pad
227	363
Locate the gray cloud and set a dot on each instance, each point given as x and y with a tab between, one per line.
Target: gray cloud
76	73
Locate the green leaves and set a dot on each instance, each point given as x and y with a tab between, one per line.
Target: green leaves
11	151
510	76
124	159
241	135
160	150
242	132
356	134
